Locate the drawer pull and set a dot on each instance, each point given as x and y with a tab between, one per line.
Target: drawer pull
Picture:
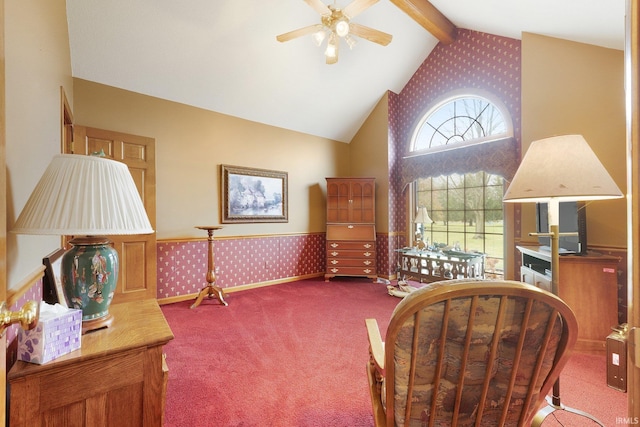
334	262
367	262
366	270
334	245
349	226
334	270
334	253
368	245
367	254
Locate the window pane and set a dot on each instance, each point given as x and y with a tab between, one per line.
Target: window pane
466	119
439	182
456	239
455	199
474	198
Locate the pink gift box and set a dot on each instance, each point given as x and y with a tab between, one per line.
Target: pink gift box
58	332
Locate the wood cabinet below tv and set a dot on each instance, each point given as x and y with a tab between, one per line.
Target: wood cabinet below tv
587	283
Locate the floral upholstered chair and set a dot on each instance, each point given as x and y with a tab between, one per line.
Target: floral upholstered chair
469	353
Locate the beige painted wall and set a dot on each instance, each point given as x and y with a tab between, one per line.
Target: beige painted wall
370	158
191	143
569	88
37	64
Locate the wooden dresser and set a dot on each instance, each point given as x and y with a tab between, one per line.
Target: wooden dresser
351	228
587	283
117	378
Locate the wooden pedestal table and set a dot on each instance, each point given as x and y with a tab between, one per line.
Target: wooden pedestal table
211	290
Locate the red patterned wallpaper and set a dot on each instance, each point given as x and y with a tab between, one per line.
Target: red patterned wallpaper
182	266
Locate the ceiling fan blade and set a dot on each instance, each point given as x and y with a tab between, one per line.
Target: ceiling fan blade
319	7
357	6
370	34
299	33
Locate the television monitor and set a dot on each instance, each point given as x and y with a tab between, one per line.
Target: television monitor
573	219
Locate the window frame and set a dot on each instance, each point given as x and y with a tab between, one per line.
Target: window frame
454	96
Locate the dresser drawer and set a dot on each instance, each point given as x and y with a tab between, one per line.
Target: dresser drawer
351	262
345	245
334	253
351	271
351	232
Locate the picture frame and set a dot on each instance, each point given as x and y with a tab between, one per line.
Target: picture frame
52	289
253	195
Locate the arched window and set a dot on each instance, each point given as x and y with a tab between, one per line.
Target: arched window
465	205
459	120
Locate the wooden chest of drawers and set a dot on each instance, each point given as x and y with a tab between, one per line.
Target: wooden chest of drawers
351	250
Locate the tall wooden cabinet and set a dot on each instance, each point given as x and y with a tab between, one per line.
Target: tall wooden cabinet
587	283
351	228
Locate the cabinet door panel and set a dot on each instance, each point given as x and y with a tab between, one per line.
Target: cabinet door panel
70	415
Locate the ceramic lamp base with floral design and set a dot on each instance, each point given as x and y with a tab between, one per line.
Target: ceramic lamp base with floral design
89	276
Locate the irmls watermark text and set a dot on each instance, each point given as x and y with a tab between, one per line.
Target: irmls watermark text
627	421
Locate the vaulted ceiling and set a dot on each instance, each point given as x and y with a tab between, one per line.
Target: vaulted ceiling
222	55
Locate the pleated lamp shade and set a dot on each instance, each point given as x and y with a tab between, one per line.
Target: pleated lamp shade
84	195
563	168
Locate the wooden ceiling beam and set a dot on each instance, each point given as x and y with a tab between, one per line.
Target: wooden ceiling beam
426	14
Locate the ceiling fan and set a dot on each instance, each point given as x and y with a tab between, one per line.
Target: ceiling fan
336	24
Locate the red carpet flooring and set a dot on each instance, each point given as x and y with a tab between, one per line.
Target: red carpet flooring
294	355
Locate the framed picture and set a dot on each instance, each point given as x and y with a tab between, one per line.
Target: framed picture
52	282
253	195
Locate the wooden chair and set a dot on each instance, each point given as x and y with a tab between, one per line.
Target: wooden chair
469	353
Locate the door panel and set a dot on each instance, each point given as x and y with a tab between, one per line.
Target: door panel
137	254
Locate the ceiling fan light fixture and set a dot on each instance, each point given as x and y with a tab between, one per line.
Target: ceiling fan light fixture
331	52
351	42
318	37
332	48
342	28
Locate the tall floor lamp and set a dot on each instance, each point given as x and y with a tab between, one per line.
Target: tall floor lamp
554	170
87	197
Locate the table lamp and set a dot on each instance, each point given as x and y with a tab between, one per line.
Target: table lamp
87	197
554	170
422	217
